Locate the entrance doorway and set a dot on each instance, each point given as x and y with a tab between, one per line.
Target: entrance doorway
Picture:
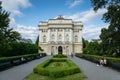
60	50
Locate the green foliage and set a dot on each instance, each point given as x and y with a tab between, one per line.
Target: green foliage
18	48
7	35
6	59
110	37
37	40
59	56
60	71
77	76
92	48
109	59
85	43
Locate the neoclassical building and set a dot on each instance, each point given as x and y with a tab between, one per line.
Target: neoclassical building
60	36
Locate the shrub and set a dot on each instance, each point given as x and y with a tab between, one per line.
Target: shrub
60	56
42	69
91	57
5	59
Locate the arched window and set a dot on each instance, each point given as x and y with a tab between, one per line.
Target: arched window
67	37
60	37
52	37
76	38
44	38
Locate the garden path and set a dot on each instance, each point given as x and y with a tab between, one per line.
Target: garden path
94	72
91	70
20	71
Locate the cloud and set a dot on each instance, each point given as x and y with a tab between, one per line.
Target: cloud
93	31
86	16
13	6
28	32
74	3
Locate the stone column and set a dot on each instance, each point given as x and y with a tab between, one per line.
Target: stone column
80	36
71	35
56	35
72	40
40	35
63	35
49	35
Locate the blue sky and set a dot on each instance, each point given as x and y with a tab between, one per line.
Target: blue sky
26	14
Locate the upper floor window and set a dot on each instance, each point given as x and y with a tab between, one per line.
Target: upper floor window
76	39
44	30
44	39
53	30
67	37
52	37
59	30
60	37
76	30
67	30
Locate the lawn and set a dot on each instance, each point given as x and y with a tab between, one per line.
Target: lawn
34	76
58	64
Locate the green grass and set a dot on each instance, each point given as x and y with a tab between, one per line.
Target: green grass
34	76
58	64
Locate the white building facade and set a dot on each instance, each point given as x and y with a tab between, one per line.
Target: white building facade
60	36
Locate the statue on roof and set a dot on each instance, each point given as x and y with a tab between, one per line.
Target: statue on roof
60	17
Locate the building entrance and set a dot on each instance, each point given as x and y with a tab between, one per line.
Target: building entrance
60	50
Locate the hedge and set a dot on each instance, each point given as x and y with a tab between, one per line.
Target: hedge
42	69
59	56
6	59
109	59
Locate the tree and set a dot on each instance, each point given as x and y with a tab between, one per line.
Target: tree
85	42
37	40
7	35
112	16
92	48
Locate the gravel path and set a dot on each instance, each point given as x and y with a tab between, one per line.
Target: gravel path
94	72
19	72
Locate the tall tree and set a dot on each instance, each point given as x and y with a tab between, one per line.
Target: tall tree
112	16
37	40
7	35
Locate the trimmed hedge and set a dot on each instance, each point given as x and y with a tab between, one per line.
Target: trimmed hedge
42	69
59	56
6	59
111	61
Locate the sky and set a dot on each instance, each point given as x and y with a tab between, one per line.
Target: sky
26	14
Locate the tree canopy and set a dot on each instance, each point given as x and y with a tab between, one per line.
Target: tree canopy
110	37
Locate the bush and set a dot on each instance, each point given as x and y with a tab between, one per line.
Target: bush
42	69
93	57
6	59
60	56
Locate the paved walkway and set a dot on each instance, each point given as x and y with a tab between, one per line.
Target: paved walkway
19	72
94	72
90	69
